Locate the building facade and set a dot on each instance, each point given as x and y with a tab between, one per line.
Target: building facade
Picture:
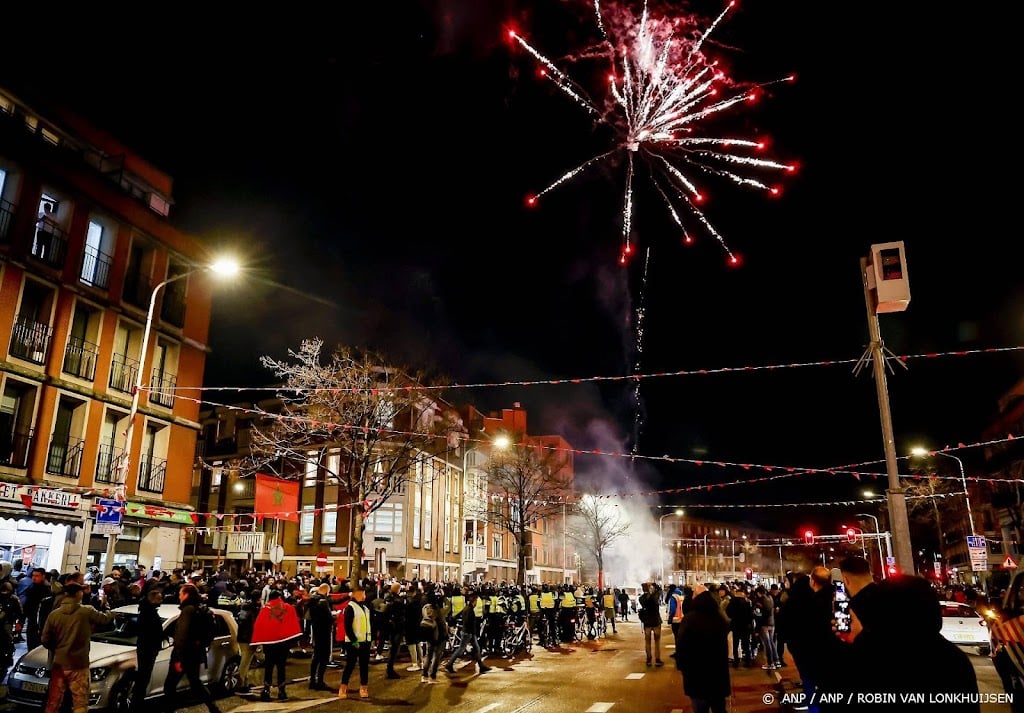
85	241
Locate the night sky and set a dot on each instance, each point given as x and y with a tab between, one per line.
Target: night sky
370	166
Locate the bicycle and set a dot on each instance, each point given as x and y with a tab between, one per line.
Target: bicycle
517	638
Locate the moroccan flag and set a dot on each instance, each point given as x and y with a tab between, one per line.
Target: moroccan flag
277	499
276	622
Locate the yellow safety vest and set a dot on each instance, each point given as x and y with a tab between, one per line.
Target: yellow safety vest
360	621
479	608
496	607
547	600
534	602
458	604
522	602
568	601
609	601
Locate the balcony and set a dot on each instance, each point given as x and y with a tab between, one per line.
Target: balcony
106	465
14	448
64	457
152	472
6	219
244	544
80	358
30	340
122	373
476	554
96	266
161	385
50	245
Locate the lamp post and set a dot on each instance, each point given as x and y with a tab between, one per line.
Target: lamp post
678	512
878	541
224	267
919	451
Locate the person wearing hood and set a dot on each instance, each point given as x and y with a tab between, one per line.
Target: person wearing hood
67	635
276	627
702	653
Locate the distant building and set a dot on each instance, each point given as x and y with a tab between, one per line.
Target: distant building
84	240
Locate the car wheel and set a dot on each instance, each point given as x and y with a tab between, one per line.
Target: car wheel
121	696
984	650
229	679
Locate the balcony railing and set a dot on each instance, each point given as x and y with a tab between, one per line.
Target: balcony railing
50	245
152	472
161	385
30	340
65	456
6	219
80	358
122	373
243	544
96	266
137	290
106	465
474	553
14	448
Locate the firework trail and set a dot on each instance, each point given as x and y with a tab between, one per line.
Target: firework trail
663	91
638	417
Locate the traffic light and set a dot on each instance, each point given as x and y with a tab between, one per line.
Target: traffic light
851	535
749	573
892	570
809	537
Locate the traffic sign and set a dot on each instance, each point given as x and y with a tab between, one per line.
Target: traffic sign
1009	563
321	561
978	552
108	516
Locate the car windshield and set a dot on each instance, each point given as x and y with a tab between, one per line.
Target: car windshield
960	612
124	630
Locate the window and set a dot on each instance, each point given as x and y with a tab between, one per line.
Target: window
456	515
16	413
428	510
306	525
496	546
96	258
333	466
329	531
448	536
417	504
386	519
309	481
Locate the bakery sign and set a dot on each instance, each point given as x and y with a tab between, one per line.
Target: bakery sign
30	495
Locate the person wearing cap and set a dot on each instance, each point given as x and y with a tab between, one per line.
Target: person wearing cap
67	635
358	637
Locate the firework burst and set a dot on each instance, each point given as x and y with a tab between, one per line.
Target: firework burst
664	93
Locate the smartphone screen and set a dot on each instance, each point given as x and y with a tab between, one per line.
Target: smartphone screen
841	608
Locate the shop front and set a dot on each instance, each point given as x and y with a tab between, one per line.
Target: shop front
150	534
42	527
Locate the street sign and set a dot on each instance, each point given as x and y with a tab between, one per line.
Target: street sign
979	553
276	554
321	561
890	561
108	516
1009	563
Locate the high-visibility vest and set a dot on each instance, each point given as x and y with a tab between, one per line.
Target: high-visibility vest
609	601
568	601
458	604
534	602
479	608
495	605
677	615
588	601
547	600
522	602
360	621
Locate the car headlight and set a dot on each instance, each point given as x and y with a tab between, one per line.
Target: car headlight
98	674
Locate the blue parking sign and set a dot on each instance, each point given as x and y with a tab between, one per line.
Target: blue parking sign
108	516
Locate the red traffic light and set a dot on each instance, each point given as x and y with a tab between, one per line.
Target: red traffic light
851	535
809	537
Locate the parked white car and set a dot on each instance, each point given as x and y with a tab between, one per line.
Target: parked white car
964	626
112	662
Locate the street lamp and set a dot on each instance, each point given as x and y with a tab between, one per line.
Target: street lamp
919	451
878	540
224	267
678	512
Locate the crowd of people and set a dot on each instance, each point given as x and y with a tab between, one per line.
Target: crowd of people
433	625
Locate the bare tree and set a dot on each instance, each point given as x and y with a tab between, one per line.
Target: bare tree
526	483
369	415
597	524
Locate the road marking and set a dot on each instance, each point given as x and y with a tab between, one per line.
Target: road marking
600	708
492	706
634	676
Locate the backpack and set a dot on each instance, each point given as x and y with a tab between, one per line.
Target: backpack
203	626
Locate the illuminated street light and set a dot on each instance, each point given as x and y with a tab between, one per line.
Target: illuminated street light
919	451
661	538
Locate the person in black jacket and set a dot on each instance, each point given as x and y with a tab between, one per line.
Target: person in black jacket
188	653
470	627
321	626
741	622
650	618
702	653
151	634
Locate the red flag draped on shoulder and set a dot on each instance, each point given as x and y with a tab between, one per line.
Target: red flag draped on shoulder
277	499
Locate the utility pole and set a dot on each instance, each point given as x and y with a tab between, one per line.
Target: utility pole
895	494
